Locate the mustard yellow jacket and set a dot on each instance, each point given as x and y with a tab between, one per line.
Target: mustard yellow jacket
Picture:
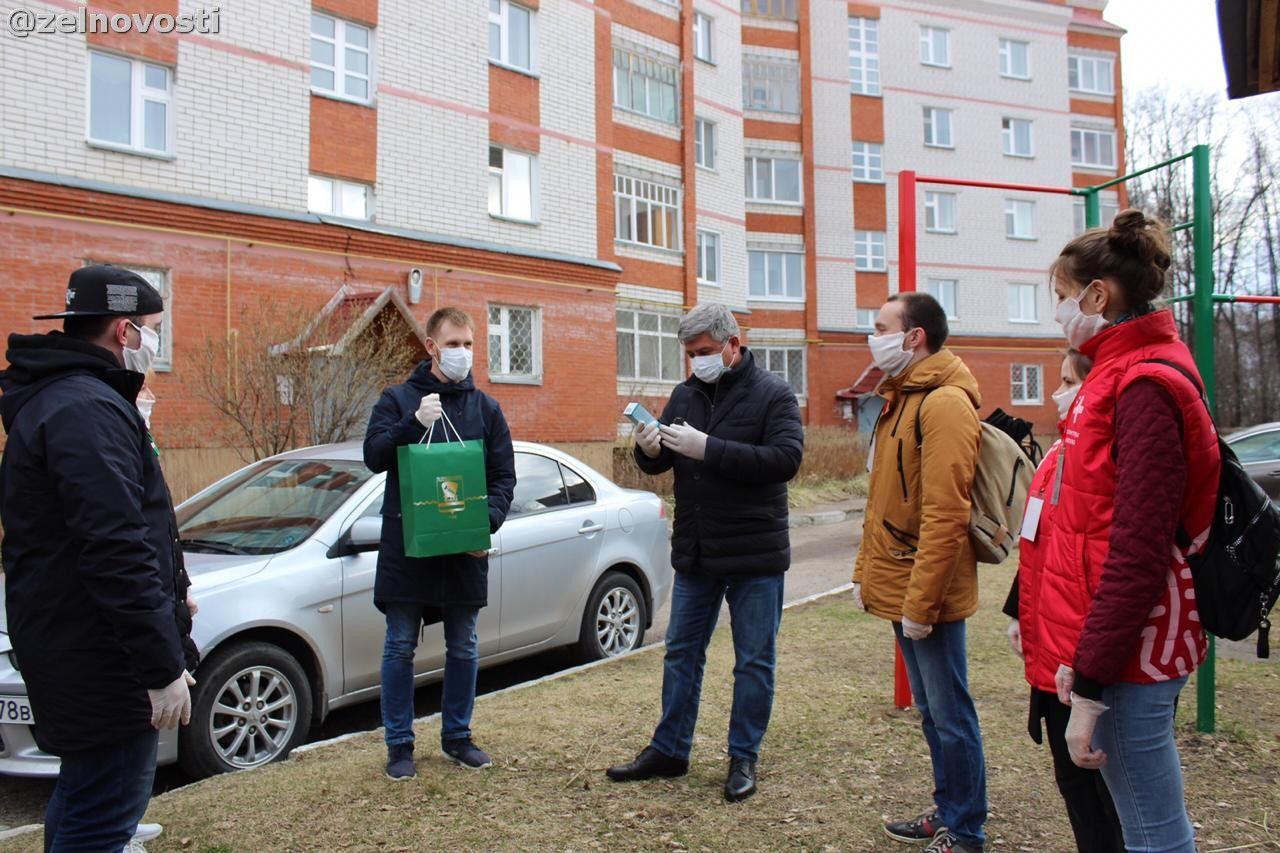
916	559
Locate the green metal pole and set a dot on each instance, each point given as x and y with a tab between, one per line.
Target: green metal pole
1202	241
1092	209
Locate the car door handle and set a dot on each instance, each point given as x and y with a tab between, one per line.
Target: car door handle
493	552
589	527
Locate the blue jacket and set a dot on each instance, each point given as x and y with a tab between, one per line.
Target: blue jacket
453	579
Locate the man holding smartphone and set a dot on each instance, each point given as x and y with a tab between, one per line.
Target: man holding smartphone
734	438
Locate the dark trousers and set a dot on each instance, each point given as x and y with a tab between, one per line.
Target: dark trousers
100	796
1089	807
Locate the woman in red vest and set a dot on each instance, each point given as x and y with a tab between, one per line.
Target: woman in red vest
1133	495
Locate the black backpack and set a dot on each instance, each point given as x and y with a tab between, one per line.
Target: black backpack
1237	575
1020	431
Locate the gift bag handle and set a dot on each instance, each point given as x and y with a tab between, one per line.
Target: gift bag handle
426	437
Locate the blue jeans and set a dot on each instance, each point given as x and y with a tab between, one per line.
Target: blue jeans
755	611
937	668
461	663
101	795
1142	770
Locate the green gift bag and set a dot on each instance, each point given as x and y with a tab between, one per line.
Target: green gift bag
443	496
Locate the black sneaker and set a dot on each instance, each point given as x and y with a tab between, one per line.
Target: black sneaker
946	842
919	830
464	753
400	762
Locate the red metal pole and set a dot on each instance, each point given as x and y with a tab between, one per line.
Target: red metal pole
906	231
901	686
993	185
1261	300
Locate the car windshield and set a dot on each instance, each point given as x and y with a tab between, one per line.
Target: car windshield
268	507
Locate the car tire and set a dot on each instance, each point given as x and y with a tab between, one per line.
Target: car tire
614	620
272	698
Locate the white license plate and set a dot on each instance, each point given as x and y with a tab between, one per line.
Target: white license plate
15	709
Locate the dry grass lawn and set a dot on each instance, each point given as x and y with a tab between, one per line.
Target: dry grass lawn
837	760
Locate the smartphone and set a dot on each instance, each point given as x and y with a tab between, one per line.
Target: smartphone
638	414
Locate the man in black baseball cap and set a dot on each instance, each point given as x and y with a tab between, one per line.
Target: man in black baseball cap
92	570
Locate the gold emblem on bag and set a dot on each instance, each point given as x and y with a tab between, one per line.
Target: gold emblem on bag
449	491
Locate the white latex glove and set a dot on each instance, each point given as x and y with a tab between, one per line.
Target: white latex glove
915	630
1064	680
1084	718
857	596
1015	637
428	410
192	607
648	439
685	440
172	705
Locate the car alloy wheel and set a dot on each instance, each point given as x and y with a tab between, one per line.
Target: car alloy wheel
617	621
253	717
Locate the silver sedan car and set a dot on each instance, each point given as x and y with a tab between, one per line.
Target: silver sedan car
282	555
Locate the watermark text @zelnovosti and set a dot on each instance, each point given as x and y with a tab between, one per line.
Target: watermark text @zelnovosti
27	22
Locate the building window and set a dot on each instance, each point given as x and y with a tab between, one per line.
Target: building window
648	347
1108	210
1015	59
943	290
341	58
868	162
784	9
775	275
773	179
865	318
703	37
864	56
332	197
130	104
771	85
708	257
1093	148
1025	384
647	213
511	34
786	362
704	143
1019	219
1015	134
511	184
514	342
1093	75
868	251
935	47
940	212
1022	303
643	85
937	128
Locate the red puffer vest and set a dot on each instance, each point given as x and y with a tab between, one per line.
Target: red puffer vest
1077	532
1042	637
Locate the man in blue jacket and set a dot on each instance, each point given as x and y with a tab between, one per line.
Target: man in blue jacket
91	560
452	588
732	433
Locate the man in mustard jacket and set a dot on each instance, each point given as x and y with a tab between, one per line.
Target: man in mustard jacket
916	567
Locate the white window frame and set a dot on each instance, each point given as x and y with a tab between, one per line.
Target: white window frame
651	195
940	212
1009	136
765	356
1076	65
335	187
708	249
1019	375
1101	138
868	162
947	292
506	210
1006	51
704	40
1014	210
502	19
791	291
705	140
676	353
934	41
339	68
777	80
658	75
865	318
869	251
864	56
752	171
502	331
1109	207
1022	289
139	95
937	119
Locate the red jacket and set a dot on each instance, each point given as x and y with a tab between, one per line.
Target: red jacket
1087	589
1042	599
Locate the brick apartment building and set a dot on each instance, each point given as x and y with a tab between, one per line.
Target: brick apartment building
572	172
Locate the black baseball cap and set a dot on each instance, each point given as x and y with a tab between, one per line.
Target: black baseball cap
103	290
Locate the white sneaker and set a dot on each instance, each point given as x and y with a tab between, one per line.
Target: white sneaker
134	846
147	831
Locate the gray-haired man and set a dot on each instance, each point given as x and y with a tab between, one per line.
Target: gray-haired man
732	433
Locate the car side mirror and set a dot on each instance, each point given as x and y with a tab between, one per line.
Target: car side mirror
366	533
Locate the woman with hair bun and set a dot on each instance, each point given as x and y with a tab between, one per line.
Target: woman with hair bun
1132	495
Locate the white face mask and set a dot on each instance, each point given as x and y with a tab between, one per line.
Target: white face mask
141	359
709	368
888	354
144	408
1078	326
1064	399
455	363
